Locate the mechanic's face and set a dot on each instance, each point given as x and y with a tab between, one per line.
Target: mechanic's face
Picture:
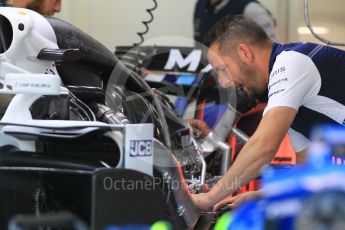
44	7
233	72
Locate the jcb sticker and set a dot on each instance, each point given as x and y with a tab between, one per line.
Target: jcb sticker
140	148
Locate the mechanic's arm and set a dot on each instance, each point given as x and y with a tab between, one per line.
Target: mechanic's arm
255	154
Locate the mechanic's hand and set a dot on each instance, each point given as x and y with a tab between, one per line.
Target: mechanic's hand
235	201
201	126
202	202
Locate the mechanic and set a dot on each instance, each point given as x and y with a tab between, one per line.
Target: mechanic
305	87
208	12
44	7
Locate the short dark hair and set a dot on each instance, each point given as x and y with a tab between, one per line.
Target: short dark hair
232	30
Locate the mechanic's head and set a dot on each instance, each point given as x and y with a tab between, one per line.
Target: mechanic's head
44	7
239	51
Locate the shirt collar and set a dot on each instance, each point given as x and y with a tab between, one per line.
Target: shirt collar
273	55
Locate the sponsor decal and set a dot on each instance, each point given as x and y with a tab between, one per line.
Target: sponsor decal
278	71
276	92
191	61
140	148
277	82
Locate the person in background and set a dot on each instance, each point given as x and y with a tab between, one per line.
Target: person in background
208	12
44	7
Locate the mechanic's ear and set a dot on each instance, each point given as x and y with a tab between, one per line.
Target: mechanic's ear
245	53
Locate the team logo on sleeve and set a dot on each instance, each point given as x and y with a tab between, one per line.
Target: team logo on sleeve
278	71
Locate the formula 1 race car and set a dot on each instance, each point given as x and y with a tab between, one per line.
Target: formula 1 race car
81	132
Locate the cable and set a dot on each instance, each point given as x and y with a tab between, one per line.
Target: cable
81	113
307	22
82	107
146	23
40	198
